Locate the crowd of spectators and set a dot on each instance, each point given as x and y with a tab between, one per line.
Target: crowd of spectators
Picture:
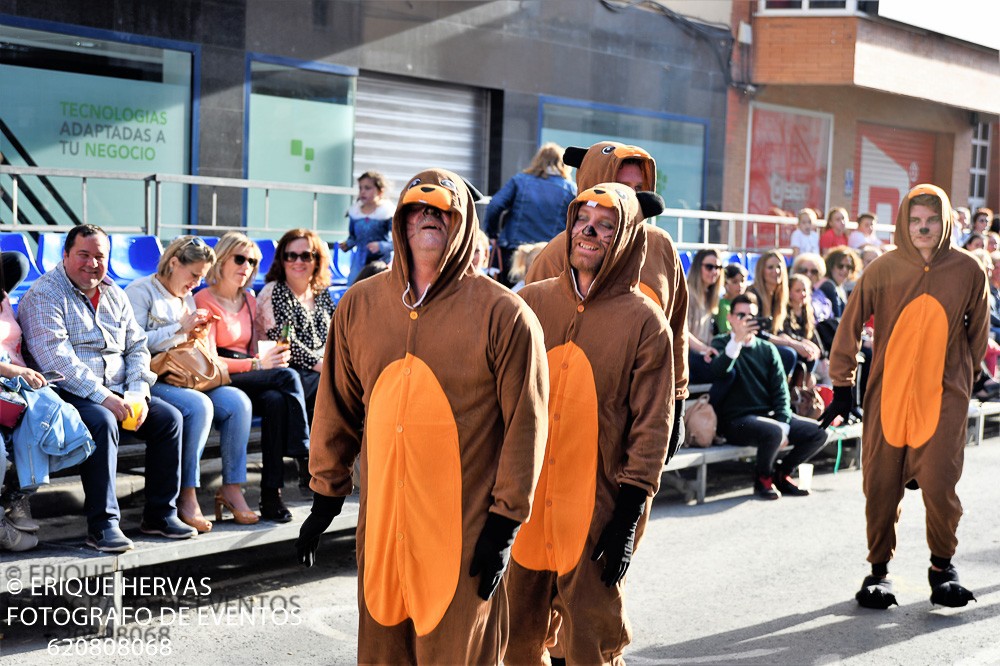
96	341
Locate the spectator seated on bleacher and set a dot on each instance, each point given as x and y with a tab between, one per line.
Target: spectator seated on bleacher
756	409
805	238
842	267
734	284
274	389
704	281
80	324
164	307
800	322
295	295
770	286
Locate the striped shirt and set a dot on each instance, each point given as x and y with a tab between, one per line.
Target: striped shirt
100	351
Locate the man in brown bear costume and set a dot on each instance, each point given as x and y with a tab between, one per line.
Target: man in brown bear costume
444	372
931	307
661	277
610	412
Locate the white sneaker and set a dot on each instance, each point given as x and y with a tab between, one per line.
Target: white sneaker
14	539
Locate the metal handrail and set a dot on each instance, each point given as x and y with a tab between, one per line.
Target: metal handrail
739	225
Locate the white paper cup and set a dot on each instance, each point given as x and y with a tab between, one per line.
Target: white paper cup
805	476
264	346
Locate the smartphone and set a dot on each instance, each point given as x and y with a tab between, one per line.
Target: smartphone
53	376
764	323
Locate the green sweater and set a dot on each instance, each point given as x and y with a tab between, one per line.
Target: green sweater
760	389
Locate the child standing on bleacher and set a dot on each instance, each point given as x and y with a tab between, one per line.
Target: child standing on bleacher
370	224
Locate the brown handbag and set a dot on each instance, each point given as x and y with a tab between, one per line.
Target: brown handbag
192	365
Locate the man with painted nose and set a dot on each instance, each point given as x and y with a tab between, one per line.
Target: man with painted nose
930	304
610	413
435	378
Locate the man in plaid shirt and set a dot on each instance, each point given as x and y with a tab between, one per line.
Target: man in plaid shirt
77	322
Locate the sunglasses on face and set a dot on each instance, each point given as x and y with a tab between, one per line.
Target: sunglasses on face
712	267
240	259
849	267
304	257
811	271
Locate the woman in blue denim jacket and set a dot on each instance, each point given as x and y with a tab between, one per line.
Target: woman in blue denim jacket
535	201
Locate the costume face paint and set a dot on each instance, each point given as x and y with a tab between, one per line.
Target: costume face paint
925	227
592	235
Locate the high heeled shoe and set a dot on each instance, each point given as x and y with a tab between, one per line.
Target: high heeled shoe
240	517
272	507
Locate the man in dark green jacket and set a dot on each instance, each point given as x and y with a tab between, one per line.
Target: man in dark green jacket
756	409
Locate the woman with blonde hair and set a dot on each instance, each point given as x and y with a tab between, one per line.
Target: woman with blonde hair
535	202
166	310
274	389
296	296
704	289
770	285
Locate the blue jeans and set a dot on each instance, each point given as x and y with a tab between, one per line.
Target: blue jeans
162	434
229	408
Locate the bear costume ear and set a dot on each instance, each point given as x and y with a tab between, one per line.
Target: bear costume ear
650	203
573	156
474	193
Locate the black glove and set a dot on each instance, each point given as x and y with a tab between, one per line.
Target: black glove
843	404
324	510
618	538
492	552
677	432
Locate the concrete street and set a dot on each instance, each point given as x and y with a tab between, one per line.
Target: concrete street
733	581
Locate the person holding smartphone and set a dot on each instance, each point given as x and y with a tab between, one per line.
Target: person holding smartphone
166	310
274	389
756	410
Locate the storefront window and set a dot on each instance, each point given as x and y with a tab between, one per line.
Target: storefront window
677	145
301	130
93	104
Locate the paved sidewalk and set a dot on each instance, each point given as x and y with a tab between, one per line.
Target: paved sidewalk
733	581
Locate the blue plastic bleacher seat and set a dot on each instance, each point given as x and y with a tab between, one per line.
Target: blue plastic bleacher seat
752	259
734	258
15	242
337	257
133	257
211	241
337	292
685	261
50	250
267	247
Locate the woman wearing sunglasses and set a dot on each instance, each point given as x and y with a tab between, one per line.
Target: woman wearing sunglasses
166	310
296	299
274	389
704	280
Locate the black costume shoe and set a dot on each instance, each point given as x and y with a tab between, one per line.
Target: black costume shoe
876	593
945	590
783	482
763	487
271	506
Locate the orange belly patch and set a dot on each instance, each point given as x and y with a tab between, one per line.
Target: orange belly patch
648	291
554	536
914	372
413	536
